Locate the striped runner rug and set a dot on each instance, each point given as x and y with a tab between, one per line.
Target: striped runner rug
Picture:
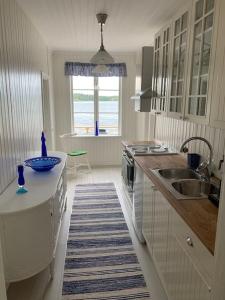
100	262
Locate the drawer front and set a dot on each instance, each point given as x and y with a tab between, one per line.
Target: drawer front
182	279
199	254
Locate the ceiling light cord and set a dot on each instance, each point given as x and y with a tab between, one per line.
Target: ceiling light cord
102	46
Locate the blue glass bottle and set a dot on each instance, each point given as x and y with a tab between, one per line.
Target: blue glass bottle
21	180
43	145
96	128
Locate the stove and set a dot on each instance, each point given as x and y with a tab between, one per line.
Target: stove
150	149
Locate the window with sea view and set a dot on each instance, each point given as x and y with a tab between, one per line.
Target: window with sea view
96	99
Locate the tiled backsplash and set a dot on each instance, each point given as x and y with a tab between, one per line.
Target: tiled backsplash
174	132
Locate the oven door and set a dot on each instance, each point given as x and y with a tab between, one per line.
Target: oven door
128	172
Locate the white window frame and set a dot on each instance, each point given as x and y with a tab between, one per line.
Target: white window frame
96	110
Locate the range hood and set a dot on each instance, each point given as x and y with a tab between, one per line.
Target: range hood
143	83
146	94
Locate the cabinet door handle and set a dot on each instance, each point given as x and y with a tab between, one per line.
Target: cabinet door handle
189	241
154	188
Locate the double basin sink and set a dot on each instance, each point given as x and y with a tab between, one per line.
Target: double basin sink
183	183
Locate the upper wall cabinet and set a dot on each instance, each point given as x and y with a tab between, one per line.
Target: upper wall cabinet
185	89
156	72
161	71
217	116
165	69
201	61
178	68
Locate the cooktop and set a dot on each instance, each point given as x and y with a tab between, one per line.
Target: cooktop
151	149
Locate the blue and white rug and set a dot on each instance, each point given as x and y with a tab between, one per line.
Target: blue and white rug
100	262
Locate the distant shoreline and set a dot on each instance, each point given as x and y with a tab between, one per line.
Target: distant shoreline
83	97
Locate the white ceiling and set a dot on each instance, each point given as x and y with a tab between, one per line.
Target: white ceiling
72	25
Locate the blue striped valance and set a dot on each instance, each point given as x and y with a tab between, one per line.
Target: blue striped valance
86	69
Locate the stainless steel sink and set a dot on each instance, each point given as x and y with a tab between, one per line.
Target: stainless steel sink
183	183
178	174
192	188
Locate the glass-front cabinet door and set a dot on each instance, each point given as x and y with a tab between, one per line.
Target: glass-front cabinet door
156	74
161	71
201	50
178	65
165	69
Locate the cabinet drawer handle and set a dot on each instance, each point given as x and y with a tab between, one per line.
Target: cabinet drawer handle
189	242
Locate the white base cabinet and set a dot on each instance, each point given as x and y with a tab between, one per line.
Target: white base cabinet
184	265
148	213
182	278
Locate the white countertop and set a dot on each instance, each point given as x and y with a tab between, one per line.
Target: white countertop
41	187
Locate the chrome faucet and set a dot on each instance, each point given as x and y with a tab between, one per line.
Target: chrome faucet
205	168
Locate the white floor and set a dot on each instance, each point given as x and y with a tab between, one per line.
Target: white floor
32	288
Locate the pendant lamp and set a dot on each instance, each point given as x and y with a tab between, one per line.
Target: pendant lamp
102	57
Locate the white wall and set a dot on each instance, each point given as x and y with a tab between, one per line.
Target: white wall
51	121
102	150
145	126
23	56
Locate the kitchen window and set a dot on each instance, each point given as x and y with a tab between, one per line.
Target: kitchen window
96	99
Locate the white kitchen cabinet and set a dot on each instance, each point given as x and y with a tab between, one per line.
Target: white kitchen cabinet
179	60
156	72
155	224
201	58
196	46
148	212
137	212
160	232
184	264
217	110
161	71
199	254
183	278
30	223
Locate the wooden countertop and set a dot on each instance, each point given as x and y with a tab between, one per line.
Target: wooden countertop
200	214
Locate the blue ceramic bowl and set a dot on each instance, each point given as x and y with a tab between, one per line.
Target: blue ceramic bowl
43	163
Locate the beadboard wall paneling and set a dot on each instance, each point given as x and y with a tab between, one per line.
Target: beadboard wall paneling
23	56
174	132
101	150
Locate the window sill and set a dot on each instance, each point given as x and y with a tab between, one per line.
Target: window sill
98	136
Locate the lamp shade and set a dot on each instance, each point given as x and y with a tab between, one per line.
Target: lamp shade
102	57
99	69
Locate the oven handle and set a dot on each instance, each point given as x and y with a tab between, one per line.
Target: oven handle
128	159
